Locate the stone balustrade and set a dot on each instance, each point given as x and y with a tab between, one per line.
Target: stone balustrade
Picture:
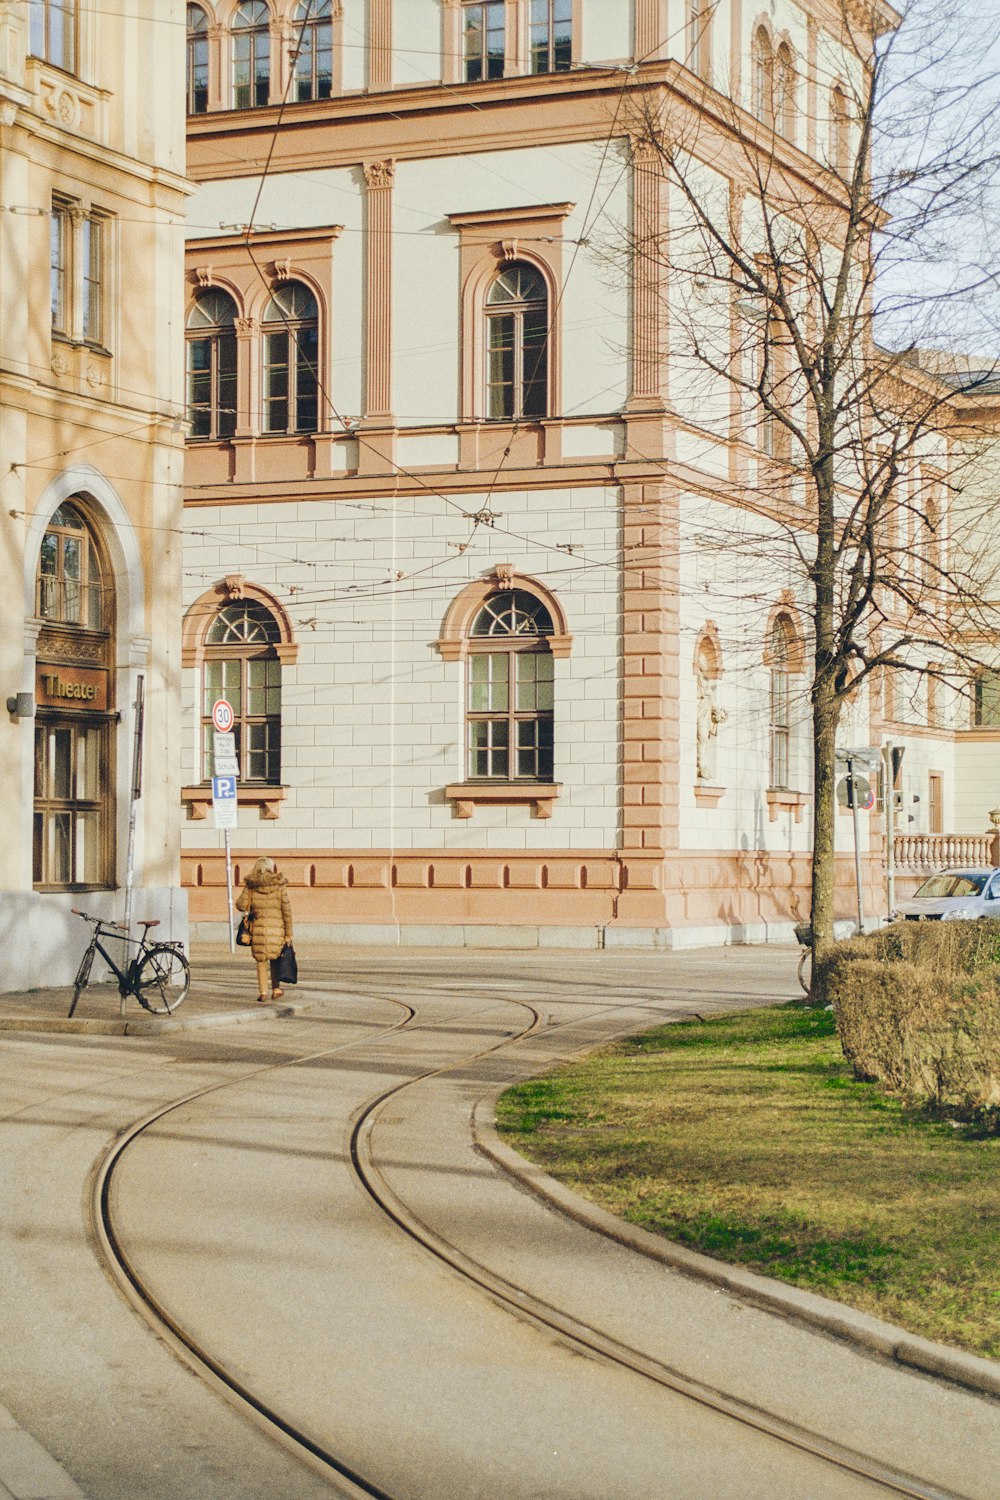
924	852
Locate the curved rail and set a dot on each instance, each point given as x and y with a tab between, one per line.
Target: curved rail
505	1293
185	1343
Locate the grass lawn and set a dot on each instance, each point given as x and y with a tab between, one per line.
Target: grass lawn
747	1137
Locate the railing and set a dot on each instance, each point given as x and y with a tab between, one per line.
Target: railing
938	851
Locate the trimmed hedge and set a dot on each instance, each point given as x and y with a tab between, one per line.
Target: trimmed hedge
917	1007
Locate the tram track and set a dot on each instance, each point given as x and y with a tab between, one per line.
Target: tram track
581	1337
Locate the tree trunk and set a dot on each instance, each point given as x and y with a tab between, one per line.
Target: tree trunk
824	715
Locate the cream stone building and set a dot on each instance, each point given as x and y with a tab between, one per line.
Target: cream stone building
448	487
92	203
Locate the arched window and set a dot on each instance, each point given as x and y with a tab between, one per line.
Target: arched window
785	89
517	334
839	130
242	666
211	366
290	365
762	76
73	843
313	59
509	711
780	656
69	587
251	55
197	60
53	32
699	44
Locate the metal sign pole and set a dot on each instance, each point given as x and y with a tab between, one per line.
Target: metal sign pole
225	774
857	840
890	830
135	793
229	893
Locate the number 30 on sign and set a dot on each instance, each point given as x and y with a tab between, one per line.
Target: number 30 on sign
222	715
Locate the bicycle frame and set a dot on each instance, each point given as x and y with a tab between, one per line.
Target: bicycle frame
126	977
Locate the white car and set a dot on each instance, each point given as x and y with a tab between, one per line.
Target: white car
954	896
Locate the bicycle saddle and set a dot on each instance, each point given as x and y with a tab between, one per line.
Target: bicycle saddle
154	922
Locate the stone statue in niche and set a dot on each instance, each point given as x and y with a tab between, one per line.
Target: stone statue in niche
710	716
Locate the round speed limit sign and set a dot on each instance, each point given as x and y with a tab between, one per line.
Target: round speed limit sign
222	715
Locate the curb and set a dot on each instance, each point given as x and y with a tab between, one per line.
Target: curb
858	1328
147	1025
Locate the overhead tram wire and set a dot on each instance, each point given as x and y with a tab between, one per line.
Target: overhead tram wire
347	427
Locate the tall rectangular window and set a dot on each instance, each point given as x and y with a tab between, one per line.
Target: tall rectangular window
92	279
551	36
485	40
70	804
987	701
78	264
59	250
53	32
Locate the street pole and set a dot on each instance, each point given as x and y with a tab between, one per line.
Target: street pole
229	892
134	796
852	781
890	829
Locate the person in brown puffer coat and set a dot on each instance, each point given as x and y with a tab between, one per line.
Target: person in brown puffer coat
264	898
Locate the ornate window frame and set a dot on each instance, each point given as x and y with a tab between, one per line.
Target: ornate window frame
490	240
454	645
198	619
74	777
303	255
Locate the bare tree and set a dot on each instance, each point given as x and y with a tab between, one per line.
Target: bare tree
814	241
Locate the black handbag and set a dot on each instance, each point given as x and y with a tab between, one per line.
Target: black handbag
243	932
288	969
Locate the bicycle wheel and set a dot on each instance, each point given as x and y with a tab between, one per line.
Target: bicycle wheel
82	978
163	980
806	970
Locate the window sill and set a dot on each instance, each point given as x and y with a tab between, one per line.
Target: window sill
465	795
778	801
708	796
268	798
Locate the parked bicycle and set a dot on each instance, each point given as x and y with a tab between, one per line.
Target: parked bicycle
158	975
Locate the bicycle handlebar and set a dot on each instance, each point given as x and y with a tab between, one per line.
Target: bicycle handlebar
98	921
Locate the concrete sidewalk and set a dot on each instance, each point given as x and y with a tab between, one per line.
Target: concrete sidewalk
216	998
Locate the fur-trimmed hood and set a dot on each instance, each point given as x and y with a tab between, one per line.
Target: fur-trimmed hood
271	880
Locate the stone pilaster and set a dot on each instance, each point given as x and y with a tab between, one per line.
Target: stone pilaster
648	375
380	44
650	669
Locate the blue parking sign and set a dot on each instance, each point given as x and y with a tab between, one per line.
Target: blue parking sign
224	804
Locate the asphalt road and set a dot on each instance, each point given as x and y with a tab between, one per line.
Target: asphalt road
301	1200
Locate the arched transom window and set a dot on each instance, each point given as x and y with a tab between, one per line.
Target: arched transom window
517	333
510	690
251	55
242	666
69	586
197	60
313	58
211	366
290	331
